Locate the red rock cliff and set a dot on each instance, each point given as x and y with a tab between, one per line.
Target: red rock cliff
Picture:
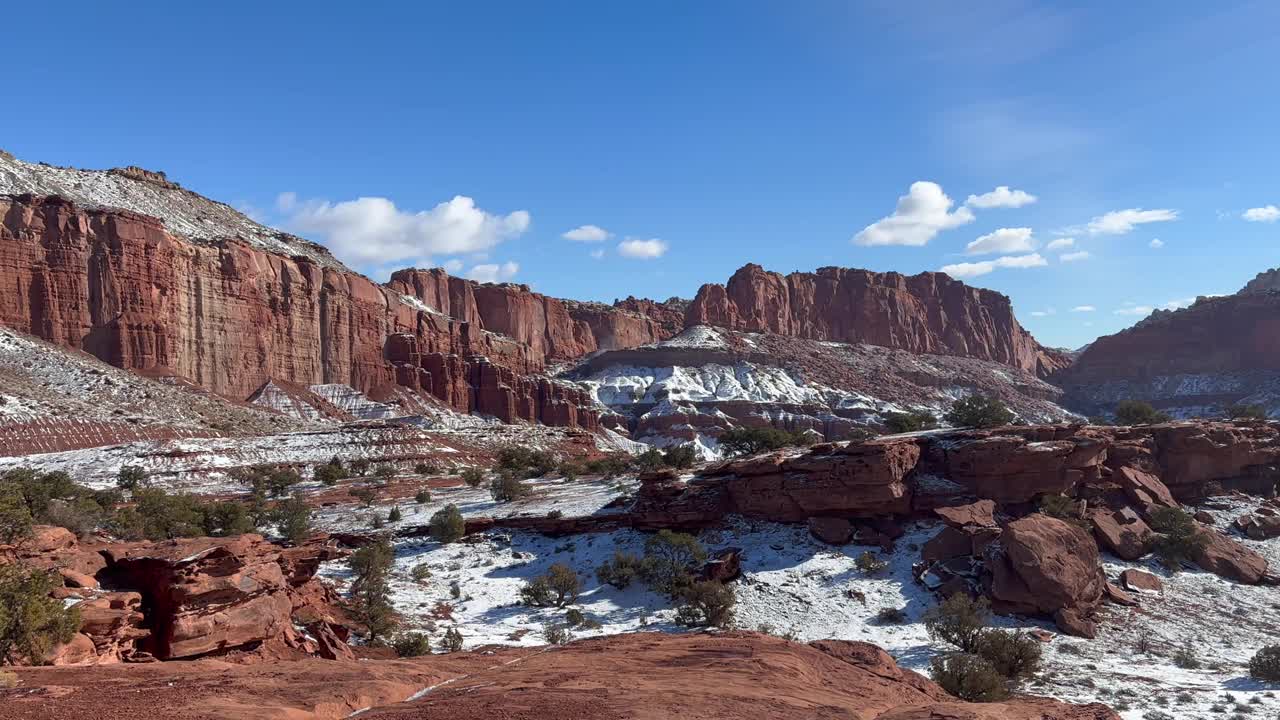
925	313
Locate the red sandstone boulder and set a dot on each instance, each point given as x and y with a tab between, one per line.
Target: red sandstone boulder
1122	532
1139	581
980	513
1144	488
831	530
1229	559
1048	567
1011	469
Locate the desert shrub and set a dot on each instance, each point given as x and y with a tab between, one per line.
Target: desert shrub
556	634
680	457
959	620
610	466
412	644
448	525
649	460
165	517
376	522
968	677
1062	508
473	477
1185	656
426	468
384	473
359	467
395	515
1265	664
31	622
420	572
81	516
131	477
574	617
292	519
365	495
752	441
707	604
15	516
619	571
422	497
269	481
901	422
569	471
452	640
859	434
224	519
506	487
38	490
558	587
1179	540
669	557
978	411
1015	655
330	473
1246	412
868	564
891	616
525	463
370	599
1137	412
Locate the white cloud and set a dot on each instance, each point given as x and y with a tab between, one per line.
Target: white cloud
588	233
1135	310
1001	197
1179	303
920	215
597	253
1083	308
1267	214
373	231
1074	256
1004	240
975	269
1156	244
1061	244
492	272
1043	313
1119	222
642	249
286	201
454	266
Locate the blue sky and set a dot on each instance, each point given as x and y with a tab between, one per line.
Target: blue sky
701	136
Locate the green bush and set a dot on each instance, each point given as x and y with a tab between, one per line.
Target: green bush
452	640
1063	508
422	497
556	634
15	516
680	457
620	571
868	564
370	599
473	477
707	604
891	616
574	617
412	644
1015	655
558	588
426	468
902	422
978	411
1265	664
293	520
359	467
1185	656
669	559
228	518
959	620
395	515
506	487
420	572
525	463
1179	539
649	460
744	441
968	677
365	495
448	525
1137	412
31	622
330	473
131	477
1246	412
384	473
610	466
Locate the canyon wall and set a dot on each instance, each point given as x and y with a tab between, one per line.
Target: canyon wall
925	313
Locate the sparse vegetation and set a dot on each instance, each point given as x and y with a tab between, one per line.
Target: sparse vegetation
384	473
447	525
620	571
557	588
131	477
556	634
1138	412
649	460
365	495
979	411
1063	508
959	621
707	604
669	558
574	617
868	564
1179	540
330	473
1265	664
420	572
744	441
293	519
680	457
31	622
1185	656
902	422
968	677
891	616
426	468
506	487
370	601
422	497
1246	412
984	653
395	515
473	477
359	467
521	462
412	644
452	640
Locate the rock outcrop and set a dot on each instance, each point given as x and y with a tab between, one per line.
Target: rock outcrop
925	313
1046	566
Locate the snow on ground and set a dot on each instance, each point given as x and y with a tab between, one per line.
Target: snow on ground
696	336
620	386
348	399
796	586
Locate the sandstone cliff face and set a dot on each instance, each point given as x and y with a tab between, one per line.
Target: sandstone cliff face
925	313
1217	352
